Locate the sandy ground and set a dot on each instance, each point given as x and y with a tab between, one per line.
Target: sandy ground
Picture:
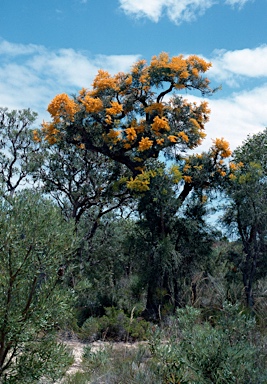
77	349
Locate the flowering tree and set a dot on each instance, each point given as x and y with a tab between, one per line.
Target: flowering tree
130	117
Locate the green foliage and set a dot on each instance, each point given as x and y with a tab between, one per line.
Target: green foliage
246	212
36	244
115	325
217	351
115	364
46	359
19	154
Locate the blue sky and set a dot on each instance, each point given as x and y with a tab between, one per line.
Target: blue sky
53	46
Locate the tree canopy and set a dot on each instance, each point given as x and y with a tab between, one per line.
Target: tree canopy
132	117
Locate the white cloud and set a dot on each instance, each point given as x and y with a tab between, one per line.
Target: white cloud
11	49
31	75
229	66
237	116
177	10
239	3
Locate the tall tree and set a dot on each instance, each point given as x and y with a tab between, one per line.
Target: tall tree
246	213
132	118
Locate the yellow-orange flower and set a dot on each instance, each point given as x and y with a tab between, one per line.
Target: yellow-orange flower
160	123
204	198
187	179
113	135
145	144
160	141
62	105
140	183
103	80
232	176
172	138
222	146
158	107
186	167
92	105
115	108
35	135
108	119
222	172
183	136
131	134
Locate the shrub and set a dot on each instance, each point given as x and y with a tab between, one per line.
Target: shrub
35	243
114	325
219	351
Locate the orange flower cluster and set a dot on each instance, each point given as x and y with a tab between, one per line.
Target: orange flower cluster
178	64
92	105
222	146
35	136
187	179
113	135
62	106
140	183
145	144
172	138
160	141
197	62
103	80
183	136
155	107
50	132
160	123
115	108
235	167
131	134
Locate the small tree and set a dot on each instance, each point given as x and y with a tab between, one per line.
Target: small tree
35	243
19	154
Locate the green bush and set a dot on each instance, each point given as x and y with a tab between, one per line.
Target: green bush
219	351
35	244
114	325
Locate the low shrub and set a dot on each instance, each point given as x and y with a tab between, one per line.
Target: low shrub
114	325
217	351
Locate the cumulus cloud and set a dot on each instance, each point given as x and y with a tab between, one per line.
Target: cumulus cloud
31	75
236	116
230	66
177	10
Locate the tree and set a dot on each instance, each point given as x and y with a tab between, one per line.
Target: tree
35	244
82	183
246	213
126	118
132	118
175	241
19	154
